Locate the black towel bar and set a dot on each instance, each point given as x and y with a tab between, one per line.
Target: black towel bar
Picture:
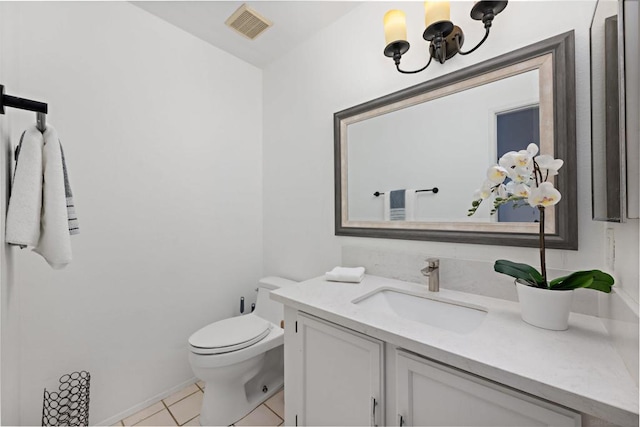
21	103
434	190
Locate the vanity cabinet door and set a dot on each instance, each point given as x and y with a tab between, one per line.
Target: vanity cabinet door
340	375
431	394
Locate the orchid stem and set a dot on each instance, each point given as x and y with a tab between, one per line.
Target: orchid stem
536	172
543	263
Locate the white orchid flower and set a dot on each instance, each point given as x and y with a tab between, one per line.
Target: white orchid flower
484	191
508	160
547	163
502	191
532	149
520	175
520	190
497	174
523	159
517	159
544	195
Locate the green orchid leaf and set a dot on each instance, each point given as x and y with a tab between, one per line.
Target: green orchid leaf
555	281
520	271
591	279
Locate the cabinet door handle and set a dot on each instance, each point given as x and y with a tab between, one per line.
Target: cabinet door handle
373	411
400	420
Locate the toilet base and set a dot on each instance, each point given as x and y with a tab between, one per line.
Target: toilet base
228	399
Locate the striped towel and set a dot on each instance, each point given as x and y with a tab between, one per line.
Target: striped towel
74	226
397	205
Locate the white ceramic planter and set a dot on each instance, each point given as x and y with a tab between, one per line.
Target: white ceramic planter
544	308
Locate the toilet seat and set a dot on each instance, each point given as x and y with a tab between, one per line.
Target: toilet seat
229	335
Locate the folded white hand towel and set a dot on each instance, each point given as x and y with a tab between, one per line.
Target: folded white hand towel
25	203
55	242
345	274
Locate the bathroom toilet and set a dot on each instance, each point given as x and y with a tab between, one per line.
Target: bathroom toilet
240	359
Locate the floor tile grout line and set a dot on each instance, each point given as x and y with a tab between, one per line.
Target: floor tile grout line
267	405
190	419
139	421
166	407
181	399
269	408
171	413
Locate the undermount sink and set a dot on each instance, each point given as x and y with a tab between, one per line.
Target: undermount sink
442	314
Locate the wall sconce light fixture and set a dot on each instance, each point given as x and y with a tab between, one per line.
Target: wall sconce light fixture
445	38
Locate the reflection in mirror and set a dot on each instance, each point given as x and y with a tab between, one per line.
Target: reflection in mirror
607	114
392	151
516	129
404	150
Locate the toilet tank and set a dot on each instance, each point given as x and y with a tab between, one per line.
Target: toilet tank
267	308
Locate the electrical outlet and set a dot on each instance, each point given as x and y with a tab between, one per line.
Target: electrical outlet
610	246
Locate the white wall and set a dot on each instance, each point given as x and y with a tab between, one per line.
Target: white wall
162	134
304	89
9	303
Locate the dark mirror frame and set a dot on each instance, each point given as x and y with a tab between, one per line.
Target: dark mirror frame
612	207
564	112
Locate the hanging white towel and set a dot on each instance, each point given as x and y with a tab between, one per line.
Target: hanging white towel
55	243
410	205
345	274
386	206
25	203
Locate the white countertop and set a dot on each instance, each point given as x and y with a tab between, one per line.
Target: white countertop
577	368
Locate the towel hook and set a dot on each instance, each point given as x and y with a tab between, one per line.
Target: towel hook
41	121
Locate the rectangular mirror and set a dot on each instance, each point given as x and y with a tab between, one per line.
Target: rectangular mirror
439	137
608	151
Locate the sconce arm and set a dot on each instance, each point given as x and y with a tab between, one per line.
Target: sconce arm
486	34
415	71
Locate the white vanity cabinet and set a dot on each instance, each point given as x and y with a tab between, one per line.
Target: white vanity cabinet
339	376
432	394
503	372
335	376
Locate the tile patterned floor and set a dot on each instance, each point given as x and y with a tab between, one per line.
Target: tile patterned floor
183	409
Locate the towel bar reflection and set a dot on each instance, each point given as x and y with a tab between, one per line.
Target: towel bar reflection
40	108
434	190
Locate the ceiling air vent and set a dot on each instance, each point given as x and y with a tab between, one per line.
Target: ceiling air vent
248	22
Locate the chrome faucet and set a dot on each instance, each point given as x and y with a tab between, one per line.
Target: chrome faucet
432	271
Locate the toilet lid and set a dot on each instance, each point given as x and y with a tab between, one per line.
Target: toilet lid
230	334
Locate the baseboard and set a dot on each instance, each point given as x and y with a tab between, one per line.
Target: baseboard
140	406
